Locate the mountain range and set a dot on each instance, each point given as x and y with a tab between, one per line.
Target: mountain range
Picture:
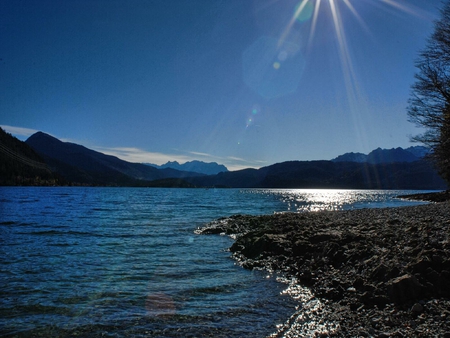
330	175
379	155
65	163
200	167
79	164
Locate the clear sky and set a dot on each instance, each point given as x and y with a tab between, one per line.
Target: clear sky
245	83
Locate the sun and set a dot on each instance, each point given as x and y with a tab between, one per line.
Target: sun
308	10
308	13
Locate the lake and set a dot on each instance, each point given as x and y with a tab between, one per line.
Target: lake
126	261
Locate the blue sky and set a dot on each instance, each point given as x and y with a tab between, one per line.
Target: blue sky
240	82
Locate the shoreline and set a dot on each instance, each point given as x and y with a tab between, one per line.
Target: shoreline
441	196
379	272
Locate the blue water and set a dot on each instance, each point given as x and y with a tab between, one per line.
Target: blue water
126	262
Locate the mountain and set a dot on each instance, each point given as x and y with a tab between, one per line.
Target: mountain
21	165
419	151
211	168
330	175
381	169
379	155
79	164
351	157
390	156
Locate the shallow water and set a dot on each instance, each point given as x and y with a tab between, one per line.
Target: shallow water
126	261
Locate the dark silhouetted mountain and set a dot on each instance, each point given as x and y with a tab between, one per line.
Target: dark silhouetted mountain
211	168
383	169
82	165
20	165
390	156
419	151
379	155
351	157
330	175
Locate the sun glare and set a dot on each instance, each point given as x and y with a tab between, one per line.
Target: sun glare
311	13
309	10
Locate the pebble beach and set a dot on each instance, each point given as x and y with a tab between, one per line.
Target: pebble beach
373	272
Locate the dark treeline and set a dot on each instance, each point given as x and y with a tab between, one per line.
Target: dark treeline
20	165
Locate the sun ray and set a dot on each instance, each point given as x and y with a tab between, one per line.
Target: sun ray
314	23
403	8
353	91
300	8
291	23
356	15
308	14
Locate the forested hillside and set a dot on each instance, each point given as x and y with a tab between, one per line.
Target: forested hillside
20	165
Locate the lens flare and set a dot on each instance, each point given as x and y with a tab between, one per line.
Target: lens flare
304	10
252	117
272	69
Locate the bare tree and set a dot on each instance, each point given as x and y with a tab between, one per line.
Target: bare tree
429	105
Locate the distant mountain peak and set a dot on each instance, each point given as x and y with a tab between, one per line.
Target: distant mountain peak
379	155
351	157
207	168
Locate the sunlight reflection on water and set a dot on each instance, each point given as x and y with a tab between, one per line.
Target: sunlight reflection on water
301	200
311	317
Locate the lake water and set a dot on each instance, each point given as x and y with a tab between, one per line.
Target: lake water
126	262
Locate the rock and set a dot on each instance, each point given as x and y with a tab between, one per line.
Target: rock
417	308
431	275
379	272
300	248
404	289
371	300
421	266
384	335
322	237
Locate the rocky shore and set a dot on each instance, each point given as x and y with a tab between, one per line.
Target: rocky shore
377	272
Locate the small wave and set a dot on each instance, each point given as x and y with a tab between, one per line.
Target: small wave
57	233
210	290
61	244
37	309
102	209
8	223
127	235
27	201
